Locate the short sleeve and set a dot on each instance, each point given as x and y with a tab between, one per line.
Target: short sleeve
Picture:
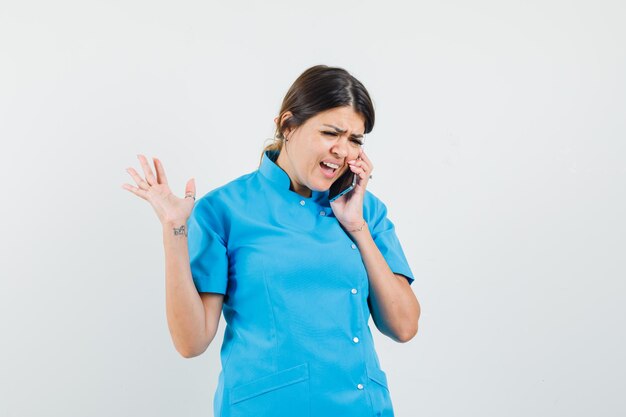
207	248
384	235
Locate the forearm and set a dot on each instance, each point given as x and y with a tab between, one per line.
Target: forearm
395	308
184	308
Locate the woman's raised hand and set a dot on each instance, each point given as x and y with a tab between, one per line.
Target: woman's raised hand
170	209
348	208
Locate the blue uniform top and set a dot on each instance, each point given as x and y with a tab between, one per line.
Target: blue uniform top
297	340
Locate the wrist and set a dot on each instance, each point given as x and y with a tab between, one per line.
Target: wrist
355	227
175	225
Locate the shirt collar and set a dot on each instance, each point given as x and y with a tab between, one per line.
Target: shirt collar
270	170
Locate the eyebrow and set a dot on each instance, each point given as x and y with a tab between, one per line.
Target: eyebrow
342	131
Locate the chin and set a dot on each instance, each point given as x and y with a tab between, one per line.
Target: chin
321	186
321	189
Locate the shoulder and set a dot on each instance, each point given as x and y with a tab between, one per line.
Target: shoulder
224	196
373	207
218	205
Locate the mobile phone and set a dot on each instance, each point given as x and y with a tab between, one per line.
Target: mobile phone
342	185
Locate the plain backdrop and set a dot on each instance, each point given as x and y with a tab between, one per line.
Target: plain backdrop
499	149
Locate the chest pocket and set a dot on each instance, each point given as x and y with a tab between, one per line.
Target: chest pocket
282	394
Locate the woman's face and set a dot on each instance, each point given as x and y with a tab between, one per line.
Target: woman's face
334	136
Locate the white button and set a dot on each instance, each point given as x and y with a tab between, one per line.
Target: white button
353	291
353	246
360	386
322	213
355	340
301	202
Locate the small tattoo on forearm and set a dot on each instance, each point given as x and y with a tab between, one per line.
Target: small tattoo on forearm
180	231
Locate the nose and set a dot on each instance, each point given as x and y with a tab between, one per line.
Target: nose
340	149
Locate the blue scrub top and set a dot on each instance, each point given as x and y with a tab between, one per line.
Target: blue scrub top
297	340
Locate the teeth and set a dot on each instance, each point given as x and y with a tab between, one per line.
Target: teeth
328	164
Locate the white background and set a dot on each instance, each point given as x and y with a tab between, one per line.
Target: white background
499	149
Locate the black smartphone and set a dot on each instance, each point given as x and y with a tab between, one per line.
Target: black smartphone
342	185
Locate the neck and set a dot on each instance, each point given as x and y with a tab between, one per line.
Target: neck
283	162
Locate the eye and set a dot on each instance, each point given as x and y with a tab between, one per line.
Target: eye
330	133
358	142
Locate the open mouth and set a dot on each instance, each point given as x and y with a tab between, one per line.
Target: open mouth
328	171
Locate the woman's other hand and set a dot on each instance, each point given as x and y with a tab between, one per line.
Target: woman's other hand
169	208
348	208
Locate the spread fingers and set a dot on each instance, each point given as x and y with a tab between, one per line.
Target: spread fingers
150	178
138	180
135	190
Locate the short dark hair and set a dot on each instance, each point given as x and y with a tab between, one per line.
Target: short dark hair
318	89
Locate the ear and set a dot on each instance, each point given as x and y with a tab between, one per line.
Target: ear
284	117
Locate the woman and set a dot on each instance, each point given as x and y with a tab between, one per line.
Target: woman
295	275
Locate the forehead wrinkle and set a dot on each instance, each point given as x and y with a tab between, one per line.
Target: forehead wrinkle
343	131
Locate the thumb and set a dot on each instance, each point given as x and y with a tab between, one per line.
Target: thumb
190	188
